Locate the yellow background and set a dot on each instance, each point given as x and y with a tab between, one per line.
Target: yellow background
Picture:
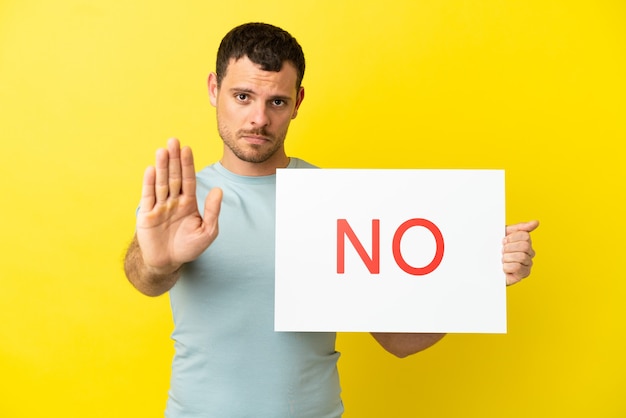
89	89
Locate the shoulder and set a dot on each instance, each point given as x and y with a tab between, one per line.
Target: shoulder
209	170
299	163
209	177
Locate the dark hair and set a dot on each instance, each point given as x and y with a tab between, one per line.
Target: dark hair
264	44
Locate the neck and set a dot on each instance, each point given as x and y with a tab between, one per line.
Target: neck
244	168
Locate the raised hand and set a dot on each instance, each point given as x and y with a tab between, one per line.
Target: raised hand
517	251
170	230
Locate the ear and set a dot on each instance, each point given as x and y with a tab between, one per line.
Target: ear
299	99
213	89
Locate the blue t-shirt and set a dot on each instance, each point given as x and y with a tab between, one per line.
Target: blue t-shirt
229	361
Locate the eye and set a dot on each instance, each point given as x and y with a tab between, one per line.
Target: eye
242	97
278	102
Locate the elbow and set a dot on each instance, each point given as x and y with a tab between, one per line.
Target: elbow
404	345
406	351
402	353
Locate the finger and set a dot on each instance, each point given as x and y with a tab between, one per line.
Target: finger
522	226
161	186
515	272
516	269
516	258
512	278
174	169
517	236
188	172
212	205
147	191
524	247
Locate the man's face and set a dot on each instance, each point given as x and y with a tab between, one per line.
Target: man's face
254	109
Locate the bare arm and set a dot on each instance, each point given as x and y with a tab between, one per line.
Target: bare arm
404	344
517	261
147	281
170	231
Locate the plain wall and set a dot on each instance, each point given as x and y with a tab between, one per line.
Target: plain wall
89	90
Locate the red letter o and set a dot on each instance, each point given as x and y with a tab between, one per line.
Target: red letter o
397	255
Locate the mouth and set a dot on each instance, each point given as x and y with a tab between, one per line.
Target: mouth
254	139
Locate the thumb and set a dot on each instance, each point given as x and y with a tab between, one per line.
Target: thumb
212	205
522	226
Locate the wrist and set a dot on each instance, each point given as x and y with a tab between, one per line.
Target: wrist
156	273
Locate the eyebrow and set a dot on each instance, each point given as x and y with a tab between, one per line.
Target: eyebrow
241	90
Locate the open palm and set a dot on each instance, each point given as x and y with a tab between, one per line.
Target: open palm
170	229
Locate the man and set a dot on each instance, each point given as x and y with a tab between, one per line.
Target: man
229	362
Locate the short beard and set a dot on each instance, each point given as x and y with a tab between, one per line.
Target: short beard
257	154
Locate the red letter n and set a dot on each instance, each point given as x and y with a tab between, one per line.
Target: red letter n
344	229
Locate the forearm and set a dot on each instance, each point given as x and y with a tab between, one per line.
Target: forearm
405	344
148	281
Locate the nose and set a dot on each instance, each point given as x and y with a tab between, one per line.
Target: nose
258	115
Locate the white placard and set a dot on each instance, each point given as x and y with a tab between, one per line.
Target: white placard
390	250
